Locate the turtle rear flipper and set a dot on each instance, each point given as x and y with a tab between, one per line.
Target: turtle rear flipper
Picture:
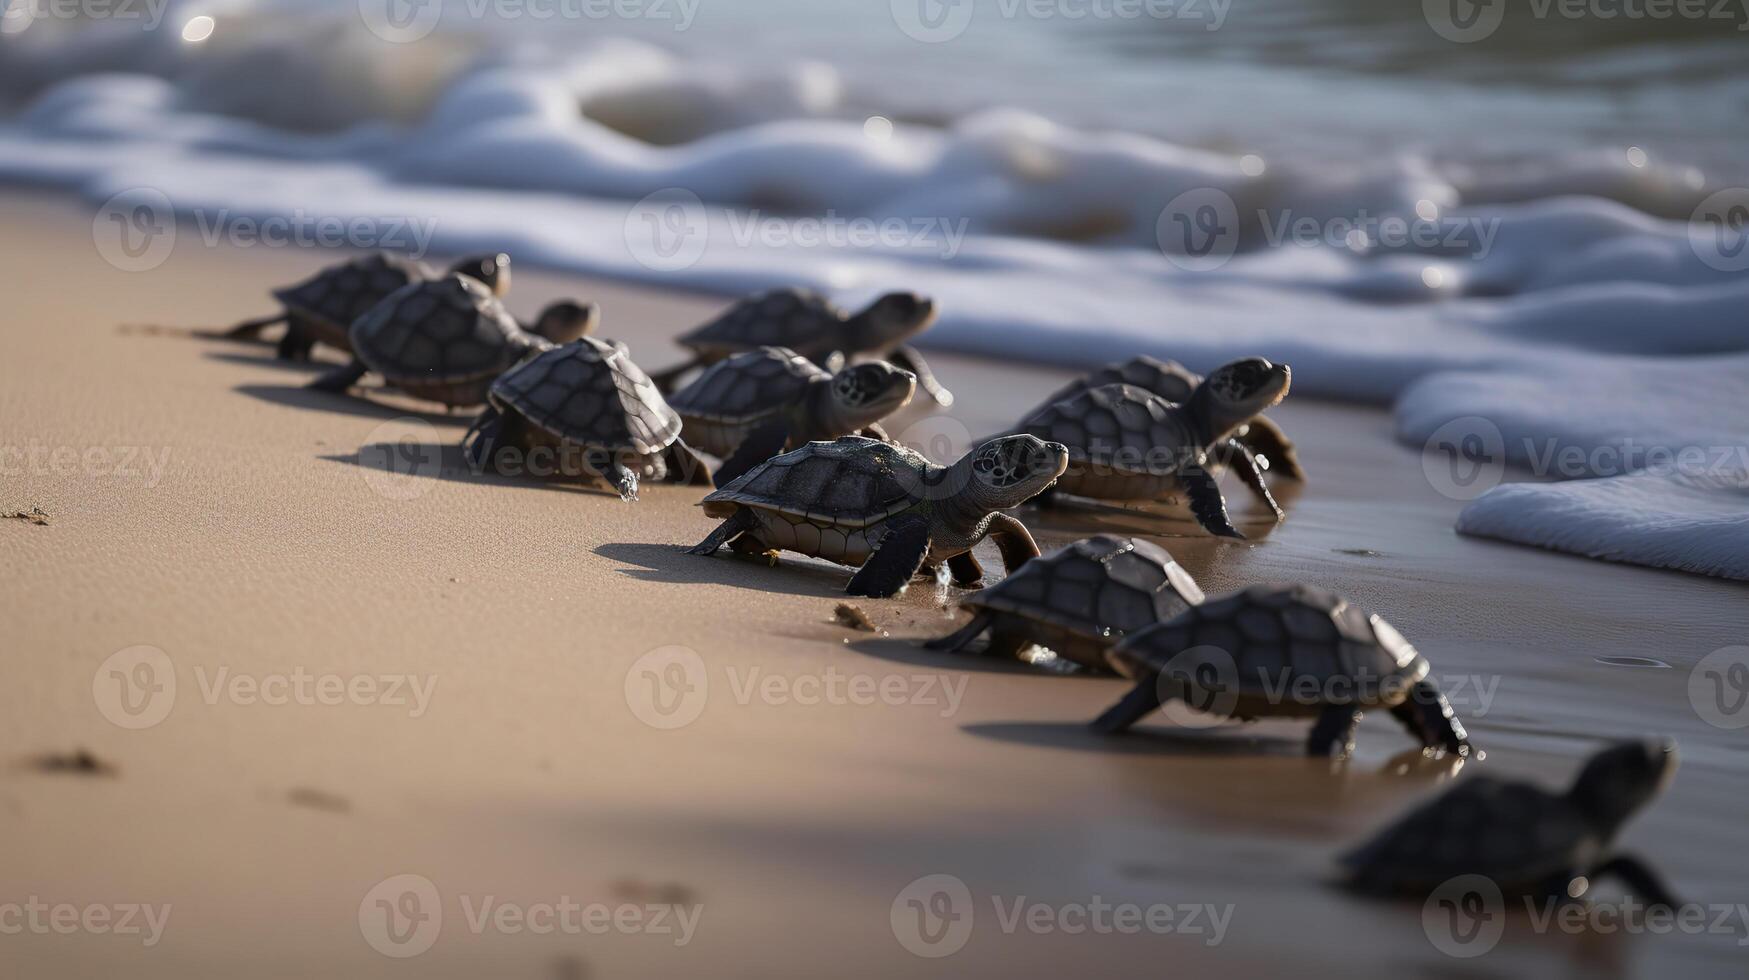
341	378
684	466
895	559
958	639
251	329
905	356
1333	733
1135	706
1429	717
1206	503
741	521
760	445
296	343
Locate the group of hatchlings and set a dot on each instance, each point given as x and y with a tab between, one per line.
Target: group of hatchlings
790	397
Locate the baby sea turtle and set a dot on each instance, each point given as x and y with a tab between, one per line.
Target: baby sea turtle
752	406
1128	444
1526	840
583	409
1175	382
445	340
1289	651
863	502
810	325
1078	600
323	307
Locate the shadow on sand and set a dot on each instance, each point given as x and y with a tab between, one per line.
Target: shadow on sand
912	653
1077	737
670	563
445	461
297	396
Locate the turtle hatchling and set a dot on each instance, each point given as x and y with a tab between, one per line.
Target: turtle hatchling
1175	382
750	407
862	502
810	325
1128	444
1525	839
445	340
1078	601
1284	651
322	307
591	412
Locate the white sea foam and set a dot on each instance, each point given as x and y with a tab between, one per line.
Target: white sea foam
1039	240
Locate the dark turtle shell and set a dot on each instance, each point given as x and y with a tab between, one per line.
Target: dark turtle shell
342	293
1168	379
1271	644
1103	586
799	319
1119	427
851	482
748	386
590	393
441	330
1514	833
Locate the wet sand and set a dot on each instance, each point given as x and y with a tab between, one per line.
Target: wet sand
267	548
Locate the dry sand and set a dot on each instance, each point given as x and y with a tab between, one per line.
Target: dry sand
265	549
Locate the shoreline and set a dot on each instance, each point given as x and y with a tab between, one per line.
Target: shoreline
266	549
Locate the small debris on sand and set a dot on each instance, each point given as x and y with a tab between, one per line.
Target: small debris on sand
1360	552
79	762
35	515
663	893
316	799
852	617
570	968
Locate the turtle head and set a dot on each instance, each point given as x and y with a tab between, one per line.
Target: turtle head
1235	393
1621	779
890	320
567	320
866	393
492	268
1010	470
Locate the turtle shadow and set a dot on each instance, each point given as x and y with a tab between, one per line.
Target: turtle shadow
912	653
1078	737
269	361
449	461
309	399
1069	516
670	563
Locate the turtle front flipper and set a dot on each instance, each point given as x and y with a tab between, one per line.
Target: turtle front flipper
1333	734
1236	456
760	445
1206	503
684	466
341	378
967	573
895	559
1013	540
1640	879
667	380
738	523
1428	716
251	329
1135	706
1265	438
905	356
